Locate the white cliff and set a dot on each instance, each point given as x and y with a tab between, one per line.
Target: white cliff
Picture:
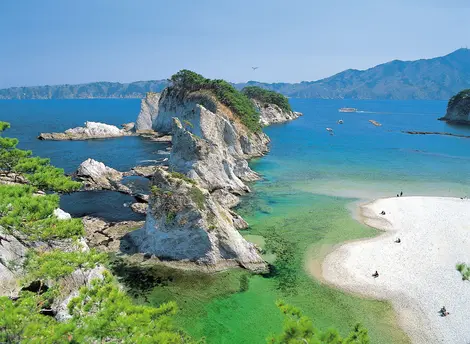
148	111
272	113
185	224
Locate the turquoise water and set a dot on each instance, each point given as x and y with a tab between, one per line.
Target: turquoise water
362	160
359	161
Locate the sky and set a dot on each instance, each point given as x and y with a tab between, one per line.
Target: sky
47	42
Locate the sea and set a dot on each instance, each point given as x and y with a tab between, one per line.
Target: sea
355	160
312	181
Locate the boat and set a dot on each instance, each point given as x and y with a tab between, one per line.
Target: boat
340	121
348	110
329	129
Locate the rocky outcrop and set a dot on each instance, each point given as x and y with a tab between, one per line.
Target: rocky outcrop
97	176
458	108
148	111
91	130
139	208
108	237
272	113
12	255
185	224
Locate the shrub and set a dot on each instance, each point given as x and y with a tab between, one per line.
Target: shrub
244	283
266	96
178	175
197	197
464	270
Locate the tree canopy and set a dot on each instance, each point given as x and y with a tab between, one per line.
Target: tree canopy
266	96
188	81
299	329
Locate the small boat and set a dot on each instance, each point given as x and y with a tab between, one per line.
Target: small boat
340	121
329	129
377	124
347	110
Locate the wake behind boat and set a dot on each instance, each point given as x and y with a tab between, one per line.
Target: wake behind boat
347	110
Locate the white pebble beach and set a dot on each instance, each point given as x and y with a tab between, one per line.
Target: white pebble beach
419	274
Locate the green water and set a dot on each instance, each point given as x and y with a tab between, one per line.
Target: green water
311	184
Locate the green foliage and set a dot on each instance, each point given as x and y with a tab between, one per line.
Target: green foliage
155	190
244	283
178	175
21	210
286	263
188	123
266	96
186	81
464	270
101	313
4	125
57	264
197	197
170	216
299	329
37	171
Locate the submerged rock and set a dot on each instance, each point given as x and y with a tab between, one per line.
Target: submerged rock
272	113
91	130
185	224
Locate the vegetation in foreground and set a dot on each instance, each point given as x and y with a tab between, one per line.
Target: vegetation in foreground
101	312
187	82
267	96
464	270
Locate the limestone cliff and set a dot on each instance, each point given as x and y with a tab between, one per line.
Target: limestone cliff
148	111
186	225
458	108
272	113
215	129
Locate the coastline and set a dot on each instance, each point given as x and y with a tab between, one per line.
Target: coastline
418	275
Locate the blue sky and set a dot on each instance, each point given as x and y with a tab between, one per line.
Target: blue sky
68	41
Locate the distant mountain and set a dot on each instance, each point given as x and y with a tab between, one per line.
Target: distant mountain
136	89
436	78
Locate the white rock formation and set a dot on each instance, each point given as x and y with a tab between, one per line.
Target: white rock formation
61	215
272	114
148	111
98	176
12	255
91	130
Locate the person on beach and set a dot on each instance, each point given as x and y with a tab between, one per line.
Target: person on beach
382	213
401	193
398	241
375	274
444	311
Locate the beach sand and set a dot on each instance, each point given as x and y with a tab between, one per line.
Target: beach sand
417	275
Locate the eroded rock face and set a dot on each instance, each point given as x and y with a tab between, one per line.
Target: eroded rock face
184	223
148	111
272	114
12	256
91	130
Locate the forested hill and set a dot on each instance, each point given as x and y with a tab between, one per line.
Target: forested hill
436	78
136	89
